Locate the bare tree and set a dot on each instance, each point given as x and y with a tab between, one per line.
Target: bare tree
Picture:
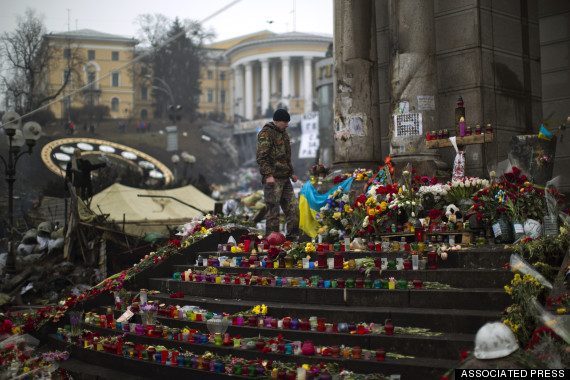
28	59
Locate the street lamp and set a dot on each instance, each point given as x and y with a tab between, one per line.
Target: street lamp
175	160
17	136
188	159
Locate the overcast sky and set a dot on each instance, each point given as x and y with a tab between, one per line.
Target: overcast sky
117	16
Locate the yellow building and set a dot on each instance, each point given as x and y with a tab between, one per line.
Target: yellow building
100	71
241	78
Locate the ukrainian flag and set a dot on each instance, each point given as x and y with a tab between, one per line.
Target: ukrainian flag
310	203
544	134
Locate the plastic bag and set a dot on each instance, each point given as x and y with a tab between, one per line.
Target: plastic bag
521	266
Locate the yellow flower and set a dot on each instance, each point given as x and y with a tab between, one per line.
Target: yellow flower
336	193
203	230
233	249
526	183
561	311
509	290
400	190
347	209
263	309
370	201
310	248
383	206
256	309
371	211
336	215
307	367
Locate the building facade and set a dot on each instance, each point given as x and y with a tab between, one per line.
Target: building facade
101	76
246	77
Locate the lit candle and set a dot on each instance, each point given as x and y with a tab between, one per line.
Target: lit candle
462	127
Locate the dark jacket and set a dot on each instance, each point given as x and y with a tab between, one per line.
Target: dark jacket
82	176
274	152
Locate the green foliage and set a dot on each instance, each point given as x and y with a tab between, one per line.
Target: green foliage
546	249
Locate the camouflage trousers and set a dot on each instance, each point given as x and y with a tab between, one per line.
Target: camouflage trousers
280	194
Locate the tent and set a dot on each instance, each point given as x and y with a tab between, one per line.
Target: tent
140	215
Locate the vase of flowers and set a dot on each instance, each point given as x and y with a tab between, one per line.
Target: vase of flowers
149	313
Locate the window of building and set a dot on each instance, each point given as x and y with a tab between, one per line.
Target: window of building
115	104
223	96
115	80
90	55
115	55
210	74
91	77
144	71
144	93
66	53
67	77
144	113
90	100
210	96
223	75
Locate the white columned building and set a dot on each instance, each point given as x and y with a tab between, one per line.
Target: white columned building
274	70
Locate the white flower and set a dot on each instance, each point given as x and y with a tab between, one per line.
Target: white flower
344	222
408	203
413	203
413	214
461	184
365	222
344	198
447	187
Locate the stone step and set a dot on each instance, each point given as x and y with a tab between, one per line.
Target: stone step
437	320
442	345
455	277
477	256
468	298
416	367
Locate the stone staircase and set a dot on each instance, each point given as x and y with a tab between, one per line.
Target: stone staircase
452	315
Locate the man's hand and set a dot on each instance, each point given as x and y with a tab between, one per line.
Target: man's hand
270	180
294	178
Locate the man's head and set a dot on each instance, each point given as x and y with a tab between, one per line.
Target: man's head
281	119
77	152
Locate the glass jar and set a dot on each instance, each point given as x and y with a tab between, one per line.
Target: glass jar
468	132
489	129
440	134
433	135
478	130
395	246
446	133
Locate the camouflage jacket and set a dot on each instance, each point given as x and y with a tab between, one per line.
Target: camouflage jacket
274	152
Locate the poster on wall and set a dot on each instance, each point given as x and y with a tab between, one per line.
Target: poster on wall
309	137
407	124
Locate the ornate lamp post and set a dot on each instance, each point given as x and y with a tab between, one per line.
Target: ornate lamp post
188	159
175	160
17	136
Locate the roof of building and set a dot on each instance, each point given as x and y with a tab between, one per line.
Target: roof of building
92	35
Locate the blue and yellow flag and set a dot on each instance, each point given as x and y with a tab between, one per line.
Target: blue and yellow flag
544	134
310	203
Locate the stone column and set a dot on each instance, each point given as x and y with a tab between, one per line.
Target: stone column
239	96
356	114
308	82
285	92
264	85
413	79
273	74
248	91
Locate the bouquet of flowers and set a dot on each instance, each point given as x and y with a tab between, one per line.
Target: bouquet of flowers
336	216
199	225
466	188
319	170
371	215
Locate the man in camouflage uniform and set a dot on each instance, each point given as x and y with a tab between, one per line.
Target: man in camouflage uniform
274	160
